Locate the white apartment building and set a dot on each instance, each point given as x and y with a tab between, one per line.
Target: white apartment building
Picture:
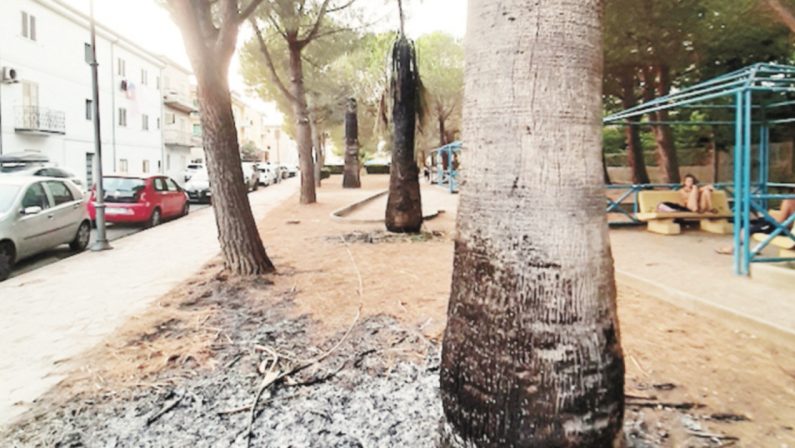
179	108
46	91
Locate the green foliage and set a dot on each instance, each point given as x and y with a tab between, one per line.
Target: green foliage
249	152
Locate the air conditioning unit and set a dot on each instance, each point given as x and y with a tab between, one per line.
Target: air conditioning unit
9	75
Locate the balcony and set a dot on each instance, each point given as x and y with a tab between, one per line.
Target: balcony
39	120
178	101
176	137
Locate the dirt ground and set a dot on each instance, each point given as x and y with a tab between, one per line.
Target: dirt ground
186	372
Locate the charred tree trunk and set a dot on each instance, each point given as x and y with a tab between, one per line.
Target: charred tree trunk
404	206
241	245
350	177
632	131
531	354
442	132
303	131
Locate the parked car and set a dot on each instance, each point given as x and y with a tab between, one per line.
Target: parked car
145	200
198	187
37	214
292	170
284	172
251	176
192	169
49	171
267	175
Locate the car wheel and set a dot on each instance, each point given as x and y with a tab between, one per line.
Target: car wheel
256	186
82	238
155	219
6	261
186	209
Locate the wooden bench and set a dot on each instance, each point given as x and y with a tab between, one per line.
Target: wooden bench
664	222
783	242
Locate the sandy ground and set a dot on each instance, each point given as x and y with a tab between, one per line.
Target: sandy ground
692	381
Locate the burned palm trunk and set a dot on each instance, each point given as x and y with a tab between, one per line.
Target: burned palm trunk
531	354
350	177
404	206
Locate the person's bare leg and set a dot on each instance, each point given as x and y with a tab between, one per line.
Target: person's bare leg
692	200
706	200
787	209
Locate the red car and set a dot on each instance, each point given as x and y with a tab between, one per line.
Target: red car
147	200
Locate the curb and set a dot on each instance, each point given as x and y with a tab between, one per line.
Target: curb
340	215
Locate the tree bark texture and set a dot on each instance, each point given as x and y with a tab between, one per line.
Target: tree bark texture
442	133
531	354
657	83
241	245
637	162
303	131
350	178
317	149
404	205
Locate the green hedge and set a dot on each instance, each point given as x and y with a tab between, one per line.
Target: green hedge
325	173
377	169
335	169
687	157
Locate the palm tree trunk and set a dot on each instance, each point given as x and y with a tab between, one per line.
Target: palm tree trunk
531	354
350	178
404	205
303	131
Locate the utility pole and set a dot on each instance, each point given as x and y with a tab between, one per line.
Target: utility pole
99	205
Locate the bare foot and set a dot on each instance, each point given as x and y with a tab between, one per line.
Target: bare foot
728	250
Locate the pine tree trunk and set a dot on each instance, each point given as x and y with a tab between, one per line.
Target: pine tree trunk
442	134
404	206
531	354
316	148
635	157
657	83
303	131
350	178
240	241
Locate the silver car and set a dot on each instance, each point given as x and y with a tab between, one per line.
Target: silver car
37	214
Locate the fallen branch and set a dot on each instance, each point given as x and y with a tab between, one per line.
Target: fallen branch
273	377
171	405
655	404
355	266
715	437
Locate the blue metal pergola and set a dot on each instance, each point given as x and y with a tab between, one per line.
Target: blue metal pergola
757	94
446	175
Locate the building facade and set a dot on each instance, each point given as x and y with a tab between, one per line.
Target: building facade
46	91
178	108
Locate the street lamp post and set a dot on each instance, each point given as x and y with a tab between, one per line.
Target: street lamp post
99	205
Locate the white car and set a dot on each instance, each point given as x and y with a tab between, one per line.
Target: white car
251	176
37	214
192	169
268	175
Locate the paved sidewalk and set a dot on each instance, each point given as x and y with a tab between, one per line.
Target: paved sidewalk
63	309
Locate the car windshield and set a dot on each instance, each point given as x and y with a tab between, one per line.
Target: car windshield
122	184
194	167
7	195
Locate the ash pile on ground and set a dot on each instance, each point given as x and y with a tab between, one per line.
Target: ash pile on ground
381	236
379	387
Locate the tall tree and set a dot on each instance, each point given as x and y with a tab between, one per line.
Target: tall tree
210	37
531	353
404	205
298	23
350	177
441	60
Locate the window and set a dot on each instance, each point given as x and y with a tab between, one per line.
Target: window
144	77
90	168
60	193
168	161
30	94
145	166
35	197
171	118
123	166
87	53
28	26
197	130
145	122
122	117
172	186
157	82
89	109
160	184
122	67
158	122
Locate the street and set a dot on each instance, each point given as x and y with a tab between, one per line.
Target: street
51	256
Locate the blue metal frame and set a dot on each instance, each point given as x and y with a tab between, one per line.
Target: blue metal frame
750	195
449	176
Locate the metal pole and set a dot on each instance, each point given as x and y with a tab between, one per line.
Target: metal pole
738	182
99	205
747	187
1	118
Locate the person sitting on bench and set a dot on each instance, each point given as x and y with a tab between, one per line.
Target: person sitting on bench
762	225
695	199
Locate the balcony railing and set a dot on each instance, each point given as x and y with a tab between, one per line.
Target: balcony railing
39	120
177	137
179	102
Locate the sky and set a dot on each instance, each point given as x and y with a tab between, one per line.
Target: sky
144	22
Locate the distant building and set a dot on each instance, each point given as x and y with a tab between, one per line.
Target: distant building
46	91
179	108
